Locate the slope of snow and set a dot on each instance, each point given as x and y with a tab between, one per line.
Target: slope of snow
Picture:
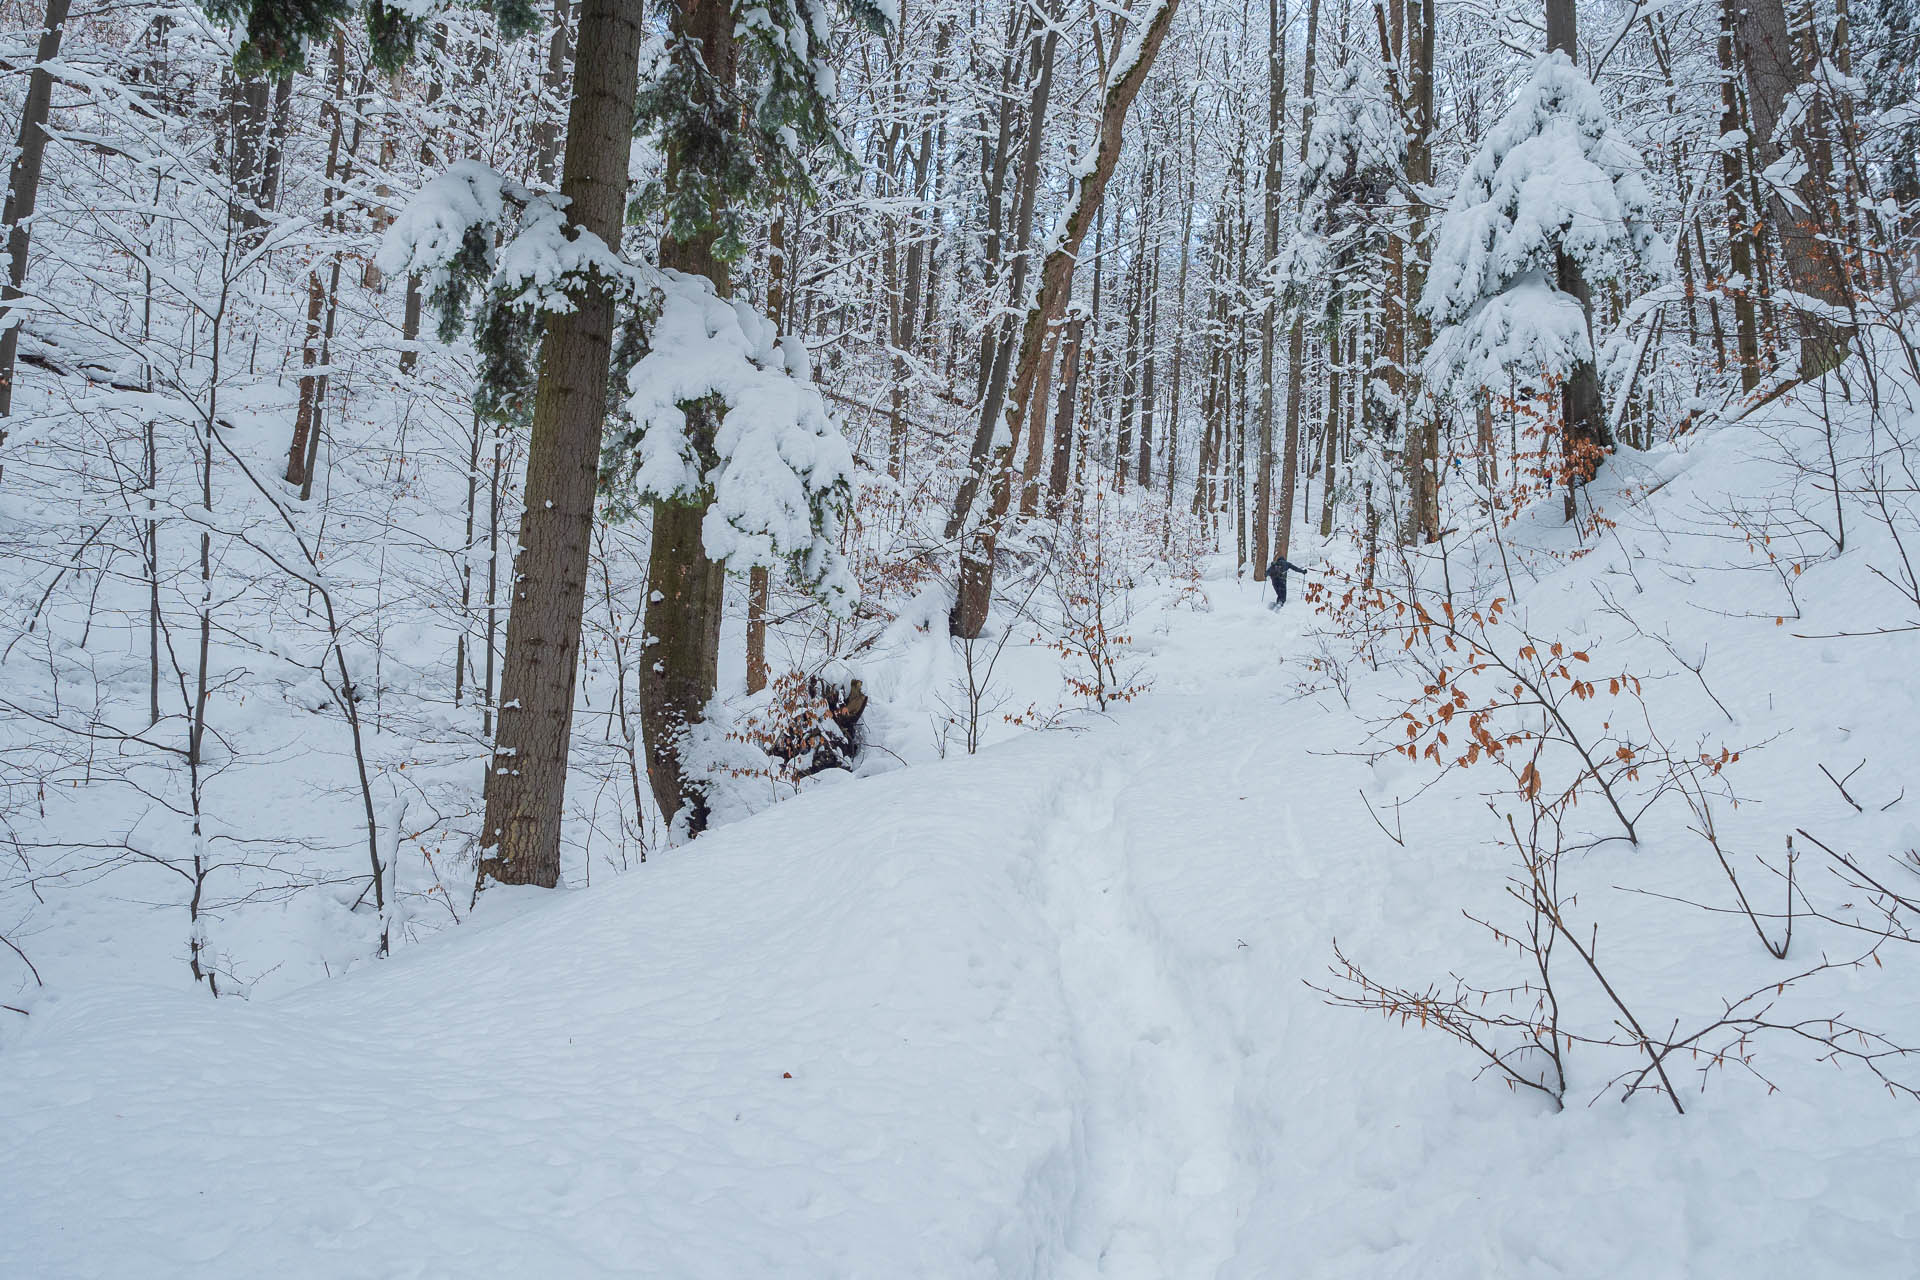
1043	1011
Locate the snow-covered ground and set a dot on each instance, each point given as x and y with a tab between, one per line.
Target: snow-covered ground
1041	1011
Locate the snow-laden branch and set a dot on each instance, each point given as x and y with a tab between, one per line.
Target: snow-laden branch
780	474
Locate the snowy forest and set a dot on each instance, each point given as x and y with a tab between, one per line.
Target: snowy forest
1140	638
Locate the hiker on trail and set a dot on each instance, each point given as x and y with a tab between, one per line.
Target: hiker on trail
1277	575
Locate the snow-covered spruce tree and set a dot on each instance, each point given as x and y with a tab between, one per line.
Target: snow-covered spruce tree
776	481
1353	165
1353	161
278	33
1552	203
737	100
771	477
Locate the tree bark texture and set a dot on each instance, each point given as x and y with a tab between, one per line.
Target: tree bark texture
1740	225
526	784
1804	224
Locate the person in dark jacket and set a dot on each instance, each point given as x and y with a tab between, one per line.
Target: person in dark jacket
1277	575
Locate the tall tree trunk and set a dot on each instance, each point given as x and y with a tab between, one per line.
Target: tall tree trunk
1269	253
974	597
1810	241
273	165
759	577
1423	429
1129	373
1740	220
1296	332
248	106
410	317
994	162
320	298
1150	359
1333	433
23	187
553	89
1237	361
1180	329
907	309
526	787
313	389
1059	477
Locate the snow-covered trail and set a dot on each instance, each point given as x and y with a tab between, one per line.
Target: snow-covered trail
1040	1012
1160	1187
1189	910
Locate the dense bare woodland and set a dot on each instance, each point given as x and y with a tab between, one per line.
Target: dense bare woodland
643	639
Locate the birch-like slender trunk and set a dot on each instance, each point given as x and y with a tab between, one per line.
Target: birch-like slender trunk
23	187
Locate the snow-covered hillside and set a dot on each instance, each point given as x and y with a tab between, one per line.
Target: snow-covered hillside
1045	1011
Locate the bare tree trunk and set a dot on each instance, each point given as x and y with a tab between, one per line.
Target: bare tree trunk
1180	331
1333	433
974	597
759	588
1809	238
1129	374
319	296
553	92
273	165
1059	478
759	578
526	786
1150	359
1423	431
993	165
23	187
248	105
1036	413
1269	254
410	319
1489	465
906	307
1393	302
1296	332
491	618
1237	363
466	565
